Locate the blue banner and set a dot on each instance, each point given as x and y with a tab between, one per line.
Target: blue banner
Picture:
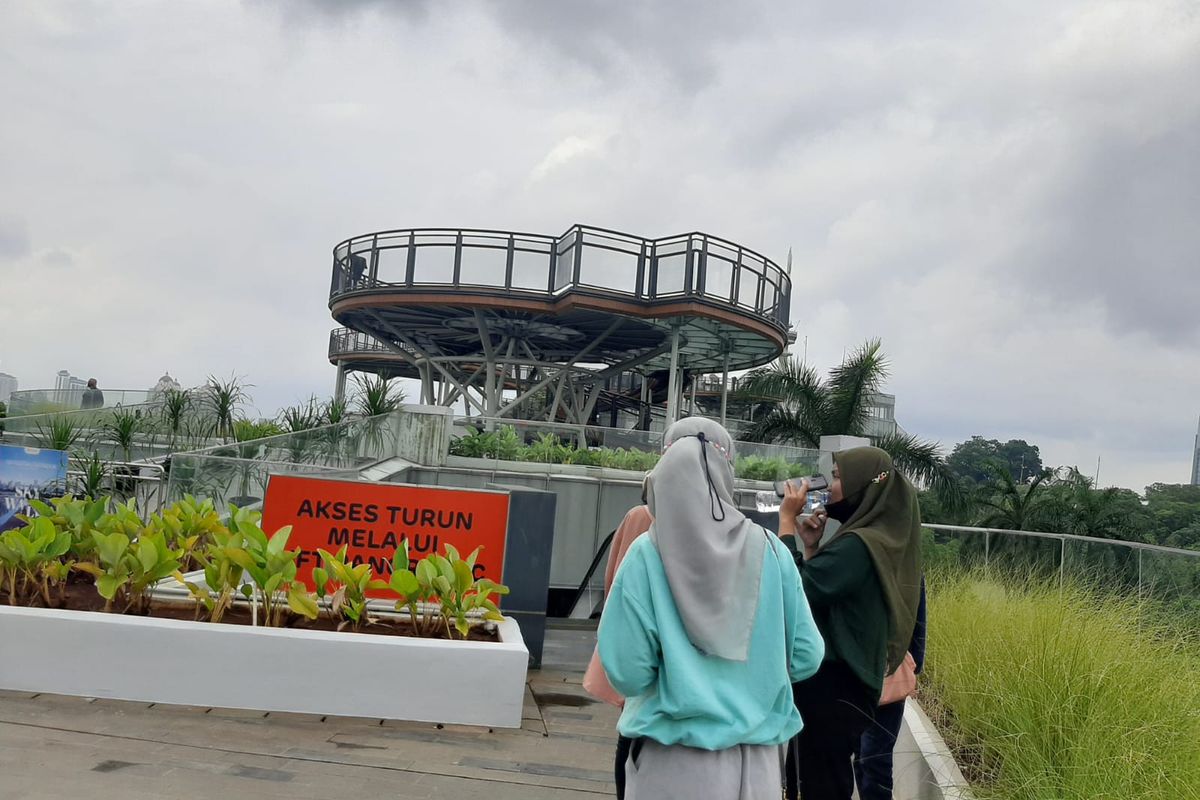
28	473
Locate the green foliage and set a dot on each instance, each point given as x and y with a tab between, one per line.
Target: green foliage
447	582
188	524
221	557
224	398
29	560
270	566
121	429
1065	692
93	471
547	449
348	601
78	518
334	411
302	416
59	432
503	444
377	395
246	430
975	459
757	468
128	564
175	405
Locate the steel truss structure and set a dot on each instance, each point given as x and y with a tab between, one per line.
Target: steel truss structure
556	328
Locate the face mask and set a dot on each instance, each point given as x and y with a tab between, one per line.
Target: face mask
843	509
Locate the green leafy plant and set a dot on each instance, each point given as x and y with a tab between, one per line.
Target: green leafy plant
221	557
334	411
224	398
93	471
78	518
272	569
190	523
175	405
377	395
59	432
348	601
127	567
302	417
547	449
121	429
247	430
447	583
502	444
29	560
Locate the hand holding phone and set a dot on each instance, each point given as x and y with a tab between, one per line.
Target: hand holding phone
815	483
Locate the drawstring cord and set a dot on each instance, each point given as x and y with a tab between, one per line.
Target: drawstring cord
712	490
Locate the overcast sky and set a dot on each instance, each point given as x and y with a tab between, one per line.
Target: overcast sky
1008	194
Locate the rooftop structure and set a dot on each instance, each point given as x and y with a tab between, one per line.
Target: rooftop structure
554	327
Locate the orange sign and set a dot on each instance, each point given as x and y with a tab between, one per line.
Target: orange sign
372	520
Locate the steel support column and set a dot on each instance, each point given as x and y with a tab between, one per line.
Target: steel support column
725	386
339	386
673	379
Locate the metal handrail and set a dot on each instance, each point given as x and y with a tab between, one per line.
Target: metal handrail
749	281
1158	548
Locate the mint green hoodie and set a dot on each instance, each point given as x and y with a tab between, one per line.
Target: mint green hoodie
676	694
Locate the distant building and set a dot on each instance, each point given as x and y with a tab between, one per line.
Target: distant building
8	385
165	383
1196	459
68	389
881	416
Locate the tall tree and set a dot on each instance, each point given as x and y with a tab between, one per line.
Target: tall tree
970	460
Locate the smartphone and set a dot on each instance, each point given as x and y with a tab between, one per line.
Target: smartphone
815	482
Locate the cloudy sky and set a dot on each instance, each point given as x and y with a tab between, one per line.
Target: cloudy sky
1007	193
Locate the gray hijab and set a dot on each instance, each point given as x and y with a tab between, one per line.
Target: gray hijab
712	554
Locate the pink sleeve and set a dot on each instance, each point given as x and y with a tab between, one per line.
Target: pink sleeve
637	521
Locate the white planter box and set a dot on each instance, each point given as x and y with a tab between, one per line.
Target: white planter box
267	669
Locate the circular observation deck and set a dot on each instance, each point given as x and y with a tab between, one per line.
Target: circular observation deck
588	297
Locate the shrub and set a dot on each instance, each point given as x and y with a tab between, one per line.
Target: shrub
1068	693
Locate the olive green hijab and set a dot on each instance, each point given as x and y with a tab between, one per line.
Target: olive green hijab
886	517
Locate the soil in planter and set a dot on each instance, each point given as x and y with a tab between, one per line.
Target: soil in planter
80	597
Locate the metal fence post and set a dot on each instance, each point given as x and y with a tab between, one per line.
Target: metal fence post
987	549
1062	564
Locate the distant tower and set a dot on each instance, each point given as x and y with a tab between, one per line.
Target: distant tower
1196	459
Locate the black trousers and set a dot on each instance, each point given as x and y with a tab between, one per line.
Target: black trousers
873	760
623	747
836	708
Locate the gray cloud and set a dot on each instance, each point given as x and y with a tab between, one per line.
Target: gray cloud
14	237
1121	227
1001	192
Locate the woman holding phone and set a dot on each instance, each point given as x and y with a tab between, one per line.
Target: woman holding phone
863	586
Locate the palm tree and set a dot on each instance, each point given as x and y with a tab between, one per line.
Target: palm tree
1012	506
797	407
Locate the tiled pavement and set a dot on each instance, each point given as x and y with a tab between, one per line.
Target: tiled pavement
54	747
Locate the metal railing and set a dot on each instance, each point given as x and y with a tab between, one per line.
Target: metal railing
1165	573
346	341
597	261
47	401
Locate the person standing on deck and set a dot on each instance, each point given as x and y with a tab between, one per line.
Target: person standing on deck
704	632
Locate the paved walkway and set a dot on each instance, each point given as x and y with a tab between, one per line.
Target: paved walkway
54	747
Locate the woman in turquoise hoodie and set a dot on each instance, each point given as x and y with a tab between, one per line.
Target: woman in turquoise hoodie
704	632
